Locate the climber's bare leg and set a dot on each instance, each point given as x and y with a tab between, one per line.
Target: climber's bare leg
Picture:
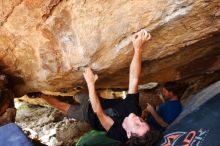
62	106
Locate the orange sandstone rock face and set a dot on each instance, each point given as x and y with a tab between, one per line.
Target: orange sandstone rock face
45	44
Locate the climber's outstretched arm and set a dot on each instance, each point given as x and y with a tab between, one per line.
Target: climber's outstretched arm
138	40
91	78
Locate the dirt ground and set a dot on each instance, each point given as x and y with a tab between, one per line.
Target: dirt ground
48	125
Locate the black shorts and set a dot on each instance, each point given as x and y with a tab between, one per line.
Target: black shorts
80	111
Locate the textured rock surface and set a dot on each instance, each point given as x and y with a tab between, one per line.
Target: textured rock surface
44	44
48	125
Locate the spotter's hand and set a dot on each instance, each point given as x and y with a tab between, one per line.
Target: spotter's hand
150	108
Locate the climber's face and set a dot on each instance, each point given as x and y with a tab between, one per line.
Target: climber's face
135	125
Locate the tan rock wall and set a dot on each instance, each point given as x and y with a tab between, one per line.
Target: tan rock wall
44	44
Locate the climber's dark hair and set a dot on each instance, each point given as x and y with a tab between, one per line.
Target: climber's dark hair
148	139
176	88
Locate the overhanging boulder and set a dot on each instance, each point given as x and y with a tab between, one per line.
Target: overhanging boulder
45	44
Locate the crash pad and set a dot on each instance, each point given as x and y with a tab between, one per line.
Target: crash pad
12	135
